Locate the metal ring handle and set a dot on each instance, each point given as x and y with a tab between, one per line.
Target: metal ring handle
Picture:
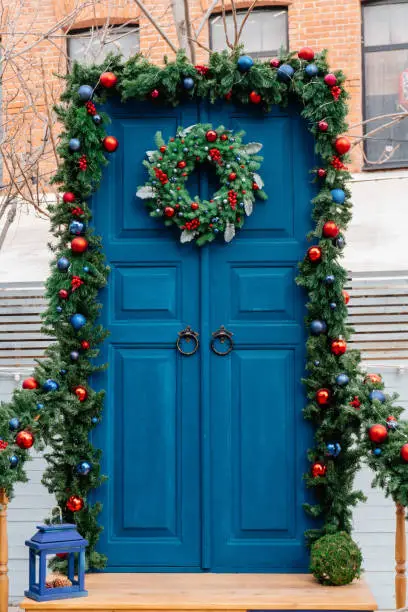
188	335
225	337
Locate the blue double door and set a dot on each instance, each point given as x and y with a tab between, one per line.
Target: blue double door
205	453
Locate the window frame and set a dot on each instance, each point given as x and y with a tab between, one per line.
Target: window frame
389	165
88	29
256	54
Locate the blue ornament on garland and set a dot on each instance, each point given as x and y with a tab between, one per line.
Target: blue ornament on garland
86	269
333	305
39	406
83	468
339	242
318	327
285	73
342	380
338	196
333	449
378	395
63	372
63	264
74	355
97	119
74	144
94	420
377	452
311	70
14	424
329	280
188	83
316	363
50	385
58	309
77	228
77	321
245	63
14	461
85	93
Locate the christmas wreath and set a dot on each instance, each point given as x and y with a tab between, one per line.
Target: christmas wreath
235	165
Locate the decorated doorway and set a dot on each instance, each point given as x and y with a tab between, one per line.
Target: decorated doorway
205	452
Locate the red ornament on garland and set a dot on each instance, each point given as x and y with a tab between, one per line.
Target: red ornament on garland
378	433
63	294
318	470
323	126
228	95
321	173
154	94
223	137
314	254
83	163
346	296
232	176
355	403
194	206
163	149
75	503
338	347
79	244
323	397
255	97
30	383
108	79
306	53
330	79
211	136
81	393
373	378
274	63
85	345
181	164
342	145
330	229
3	444
404	453
110	144
24	439
169	211
68	197
255	186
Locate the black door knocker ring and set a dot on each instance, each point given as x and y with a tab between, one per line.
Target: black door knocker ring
224	337
187	335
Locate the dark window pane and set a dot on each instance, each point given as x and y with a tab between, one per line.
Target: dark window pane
92	46
385	24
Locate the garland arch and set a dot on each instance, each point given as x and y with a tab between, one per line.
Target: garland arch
57	407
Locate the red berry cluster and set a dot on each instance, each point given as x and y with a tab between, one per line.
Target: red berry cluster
203	70
83	163
232	199
3	445
162	176
90	107
337	163
335	92
191	225
355	402
77	211
216	156
76	282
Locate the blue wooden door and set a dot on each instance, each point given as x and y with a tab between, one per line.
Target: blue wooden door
205	454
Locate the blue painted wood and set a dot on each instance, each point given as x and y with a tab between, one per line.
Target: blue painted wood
205	454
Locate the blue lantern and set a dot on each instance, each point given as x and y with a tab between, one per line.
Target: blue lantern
14	424
318	327
13	461
338	196
77	321
83	468
285	73
245	63
74	144
188	83
63	264
311	70
378	395
85	93
50	385
77	228
342	380
97	119
50	540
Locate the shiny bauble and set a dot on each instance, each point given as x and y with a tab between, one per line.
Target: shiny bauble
39	406
314	254
81	393
255	97
330	230
188	83
285	73
378	433
404	453
24	439
63	264
330	79
377	452
154	94
30	383
94	420
318	470
338	347
318	327
373	378
311	70
85	93
85	345
68	197
97	119
306	53
77	321
110	144
14	424
194	206
79	245
329	279
108	80
342	380
274	63
323	397
211	136
333	449
74	355
59	309
245	63
75	503
346	296
13	461
342	145
323	126
321	173
83	468
74	144
338	196
339	242
392	422
169	211
77	228
50	385
63	294
232	176
378	395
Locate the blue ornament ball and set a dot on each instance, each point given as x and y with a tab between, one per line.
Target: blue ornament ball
94	420
285	73
338	196
329	280
316	363
77	321
63	372
74	144
342	380
14	424
74	355
85	93
188	83
83	468
77	228
333	305
50	385
333	449
13	461
39	406
339	242
377	452
378	395
86	269
311	70
97	119
63	264
318	327
245	63
59	309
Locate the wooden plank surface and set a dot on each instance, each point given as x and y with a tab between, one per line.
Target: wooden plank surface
215	592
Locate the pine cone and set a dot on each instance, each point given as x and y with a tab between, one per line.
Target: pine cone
62	581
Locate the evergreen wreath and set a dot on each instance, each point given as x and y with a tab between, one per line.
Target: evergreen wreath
170	166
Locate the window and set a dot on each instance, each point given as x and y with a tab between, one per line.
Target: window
93	45
264	34
385	56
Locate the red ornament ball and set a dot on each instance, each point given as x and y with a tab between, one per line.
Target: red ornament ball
223	137
255	186
30	383
323	126
314	254
378	433
108	79
342	145
255	97
338	347
330	229
154	94
306	53
323	397
404	453
274	63
211	136
68	197
232	176
346	296
169	211
181	164
75	503
63	294
194	206
79	244
321	173
373	378
81	393
85	345
330	79
24	439
110	144
318	470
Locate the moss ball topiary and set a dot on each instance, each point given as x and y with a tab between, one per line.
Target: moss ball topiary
335	559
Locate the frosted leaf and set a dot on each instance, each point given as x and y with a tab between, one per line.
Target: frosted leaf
187	236
188	129
229	232
258	180
248	206
252	147
146	192
150	155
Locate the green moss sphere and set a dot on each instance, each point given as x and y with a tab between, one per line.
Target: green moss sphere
335	559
